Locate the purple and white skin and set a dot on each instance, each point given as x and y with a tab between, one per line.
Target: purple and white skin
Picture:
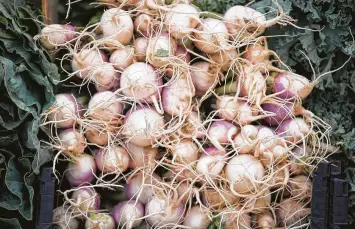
221	133
128	214
81	171
211	162
56	35
65	111
87	200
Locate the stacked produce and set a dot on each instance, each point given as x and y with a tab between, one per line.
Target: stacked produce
190	114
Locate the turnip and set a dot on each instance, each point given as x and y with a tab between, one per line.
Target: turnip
81	171
86	199
280	177
72	142
117	24
141	156
266	139
161	50
113	159
289	85
85	61
282	111
212	36
244	172
259	203
245	22
143	24
141	187
143	126
218	199
193	127
105	106
221	133
122	58
294	130
55	35
65	111
112	81
225	58
140	48
237	110
185	151
245	140
128	214
300	187
236	220
259	55
97	136
100	220
141	82
291	213
177	96
176	69
276	155
63	220
196	218
181	19
162	211
211	162
265	221
204	76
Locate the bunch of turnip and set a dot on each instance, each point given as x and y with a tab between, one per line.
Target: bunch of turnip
192	117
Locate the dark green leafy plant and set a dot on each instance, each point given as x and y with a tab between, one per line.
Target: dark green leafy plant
27	79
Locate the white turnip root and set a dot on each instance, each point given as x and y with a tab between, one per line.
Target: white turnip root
294	130
181	19
113	159
65	111
236	220
265	221
86	61
300	187
185	151
261	203
177	96
162	211
291	213
63	220
289	85
54	36
211	162
218	199
245	140
143	24
193	127
81	171
141	187
105	106
141	82
244	172
204	76
161	50
141	156
72	142
176	69
100	220
212	36
225	58
280	177
86	199
196	218
97	136
140	48
221	133
143	126
128	214
117	24
299	154
245	22
122	58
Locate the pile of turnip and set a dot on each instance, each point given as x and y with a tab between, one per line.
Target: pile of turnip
192	117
